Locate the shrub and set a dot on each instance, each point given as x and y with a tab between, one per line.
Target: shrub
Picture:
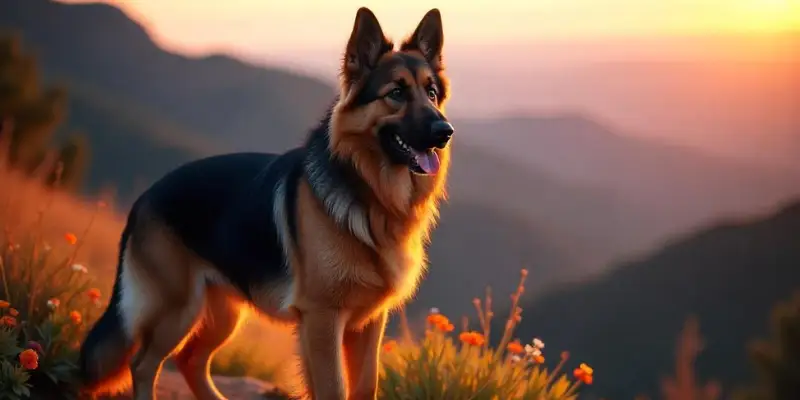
47	301
438	367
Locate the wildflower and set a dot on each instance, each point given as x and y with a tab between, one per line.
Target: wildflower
35	346
524	272
53	303
13	312
584	373
4	304
434	310
538	359
515	347
515	359
29	359
75	317
448	327
94	294
472	338
436	319
532	351
70	238
79	268
538	343
389	346
8	321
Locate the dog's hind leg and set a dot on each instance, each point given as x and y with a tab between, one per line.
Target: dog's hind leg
166	333
163	294
221	318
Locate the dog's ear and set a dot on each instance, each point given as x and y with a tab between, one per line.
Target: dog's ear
428	38
365	47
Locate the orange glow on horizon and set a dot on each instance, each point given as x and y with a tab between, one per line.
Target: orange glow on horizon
272	26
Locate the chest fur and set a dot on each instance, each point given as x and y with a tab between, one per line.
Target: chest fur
336	269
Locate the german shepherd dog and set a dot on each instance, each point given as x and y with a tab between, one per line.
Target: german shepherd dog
328	237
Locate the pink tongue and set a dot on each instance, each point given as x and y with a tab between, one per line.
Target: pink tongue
428	161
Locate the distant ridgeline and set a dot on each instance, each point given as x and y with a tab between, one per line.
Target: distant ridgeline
625	323
145	110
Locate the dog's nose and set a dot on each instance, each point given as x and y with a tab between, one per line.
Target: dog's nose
442	131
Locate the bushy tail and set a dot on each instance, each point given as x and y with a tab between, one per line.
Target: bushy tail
106	352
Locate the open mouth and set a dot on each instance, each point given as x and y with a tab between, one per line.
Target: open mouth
424	162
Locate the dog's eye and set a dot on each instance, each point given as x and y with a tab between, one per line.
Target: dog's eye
432	94
396	94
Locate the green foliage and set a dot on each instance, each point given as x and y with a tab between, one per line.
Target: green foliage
439	368
777	360
35	111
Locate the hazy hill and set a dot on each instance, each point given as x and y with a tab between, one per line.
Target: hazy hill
625	323
216	96
682	185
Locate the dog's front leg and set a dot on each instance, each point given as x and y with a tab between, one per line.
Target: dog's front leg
362	349
321	333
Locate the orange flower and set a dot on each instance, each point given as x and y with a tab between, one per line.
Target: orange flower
584	373
472	338
538	359
440	322
436	319
8	321
29	359
94	294
4	304
75	317
515	347
70	238
389	346
13	312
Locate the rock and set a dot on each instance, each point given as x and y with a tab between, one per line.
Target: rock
172	386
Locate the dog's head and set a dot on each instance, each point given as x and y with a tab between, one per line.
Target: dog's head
392	101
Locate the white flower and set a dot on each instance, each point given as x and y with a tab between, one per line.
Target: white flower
531	351
538	343
51	304
79	268
434	310
515	359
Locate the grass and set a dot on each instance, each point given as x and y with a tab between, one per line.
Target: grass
443	365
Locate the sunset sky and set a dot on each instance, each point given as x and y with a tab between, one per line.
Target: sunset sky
268	26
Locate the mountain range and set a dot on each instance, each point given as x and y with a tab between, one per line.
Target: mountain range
626	322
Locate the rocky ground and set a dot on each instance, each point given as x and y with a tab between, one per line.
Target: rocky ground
171	386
